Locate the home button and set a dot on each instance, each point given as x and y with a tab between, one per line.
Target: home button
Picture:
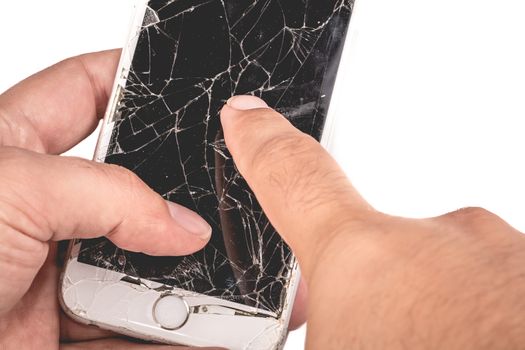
171	312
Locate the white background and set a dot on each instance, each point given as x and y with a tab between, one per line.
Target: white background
434	95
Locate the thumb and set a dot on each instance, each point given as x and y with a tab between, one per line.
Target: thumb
49	198
301	188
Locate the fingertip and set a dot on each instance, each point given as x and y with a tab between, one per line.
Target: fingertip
170	242
237	104
246	102
184	233
178	231
190	221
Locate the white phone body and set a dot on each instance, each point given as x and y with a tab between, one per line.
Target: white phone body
97	296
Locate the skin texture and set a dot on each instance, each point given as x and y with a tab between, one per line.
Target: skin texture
375	281
45	198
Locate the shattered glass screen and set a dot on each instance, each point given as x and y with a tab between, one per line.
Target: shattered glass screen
192	55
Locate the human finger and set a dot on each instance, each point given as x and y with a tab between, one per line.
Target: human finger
301	188
56	108
50	198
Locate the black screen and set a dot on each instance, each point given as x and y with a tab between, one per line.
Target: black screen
192	55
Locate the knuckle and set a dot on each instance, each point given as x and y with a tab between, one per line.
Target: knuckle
125	179
471	214
16	167
18	132
8	131
83	164
11	155
120	176
121	173
116	180
472	219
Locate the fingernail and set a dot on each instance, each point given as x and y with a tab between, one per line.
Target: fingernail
189	220
246	102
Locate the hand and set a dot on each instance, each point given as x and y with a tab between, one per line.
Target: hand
375	281
45	198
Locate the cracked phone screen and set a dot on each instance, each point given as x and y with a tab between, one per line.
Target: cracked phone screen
191	56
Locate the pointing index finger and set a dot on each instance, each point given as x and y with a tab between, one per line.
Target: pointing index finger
305	194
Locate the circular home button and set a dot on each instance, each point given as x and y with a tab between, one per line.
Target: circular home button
171	312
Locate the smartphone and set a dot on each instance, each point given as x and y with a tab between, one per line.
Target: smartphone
184	59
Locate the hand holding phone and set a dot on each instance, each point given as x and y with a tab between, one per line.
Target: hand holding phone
46	198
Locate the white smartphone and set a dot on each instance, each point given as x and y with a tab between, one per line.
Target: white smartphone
183	60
